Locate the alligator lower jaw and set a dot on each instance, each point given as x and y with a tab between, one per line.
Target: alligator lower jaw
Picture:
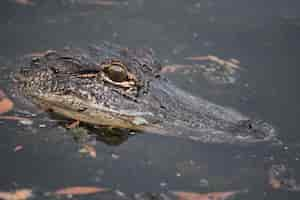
97	116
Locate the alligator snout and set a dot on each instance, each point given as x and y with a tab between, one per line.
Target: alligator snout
257	129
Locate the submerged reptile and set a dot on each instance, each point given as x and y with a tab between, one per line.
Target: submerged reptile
122	88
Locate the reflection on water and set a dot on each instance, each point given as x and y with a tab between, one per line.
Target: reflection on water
261	35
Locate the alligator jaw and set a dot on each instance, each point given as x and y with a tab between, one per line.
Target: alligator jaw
97	115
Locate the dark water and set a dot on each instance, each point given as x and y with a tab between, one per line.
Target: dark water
263	35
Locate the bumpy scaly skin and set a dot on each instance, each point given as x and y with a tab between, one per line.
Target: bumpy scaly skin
67	82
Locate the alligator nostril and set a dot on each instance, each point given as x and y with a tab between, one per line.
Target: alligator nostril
247	124
250	126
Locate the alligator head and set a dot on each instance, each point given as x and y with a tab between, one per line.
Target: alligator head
122	88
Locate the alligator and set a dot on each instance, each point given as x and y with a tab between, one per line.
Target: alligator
123	88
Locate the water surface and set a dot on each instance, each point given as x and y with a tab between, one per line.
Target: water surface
262	35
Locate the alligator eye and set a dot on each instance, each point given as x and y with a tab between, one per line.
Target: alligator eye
117	73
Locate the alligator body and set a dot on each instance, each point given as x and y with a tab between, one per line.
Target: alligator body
123	88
